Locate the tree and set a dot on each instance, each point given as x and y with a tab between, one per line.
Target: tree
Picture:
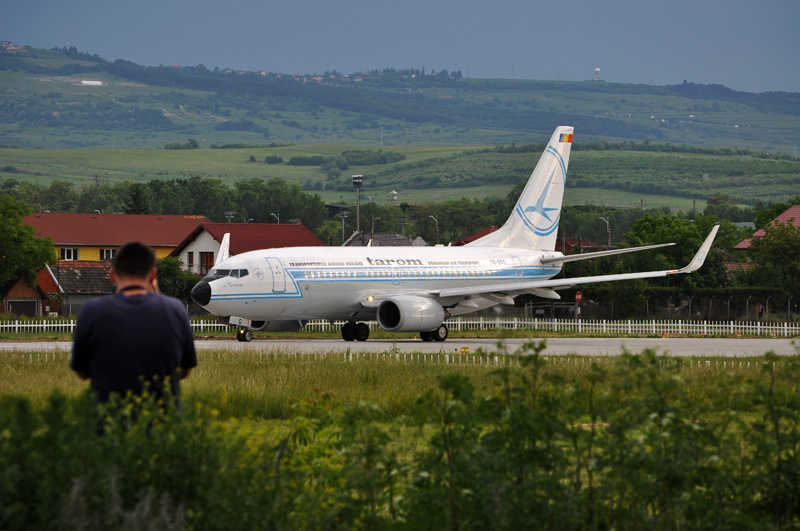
778	254
687	238
173	280
61	196
138	203
765	214
21	252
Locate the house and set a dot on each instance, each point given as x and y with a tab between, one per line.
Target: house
96	237
81	281
199	249
21	299
476	236
61	289
792	214
578	245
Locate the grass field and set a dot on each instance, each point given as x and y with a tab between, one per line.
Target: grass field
261	385
437	173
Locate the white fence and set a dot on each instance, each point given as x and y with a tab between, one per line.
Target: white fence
629	327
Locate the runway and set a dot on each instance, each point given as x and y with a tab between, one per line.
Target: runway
555	346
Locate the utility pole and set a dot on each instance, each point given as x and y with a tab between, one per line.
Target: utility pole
437	227
608	230
343	214
357	181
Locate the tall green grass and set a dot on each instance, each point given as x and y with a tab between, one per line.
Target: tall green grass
262	385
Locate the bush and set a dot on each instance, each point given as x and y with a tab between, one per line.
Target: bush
624	443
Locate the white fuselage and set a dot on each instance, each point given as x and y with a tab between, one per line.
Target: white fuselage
303	283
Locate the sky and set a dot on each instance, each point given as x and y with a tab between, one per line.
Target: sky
744	45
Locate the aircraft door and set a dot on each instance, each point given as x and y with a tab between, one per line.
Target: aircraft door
395	276
278	275
518	272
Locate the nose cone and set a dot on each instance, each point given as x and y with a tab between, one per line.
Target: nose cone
201	293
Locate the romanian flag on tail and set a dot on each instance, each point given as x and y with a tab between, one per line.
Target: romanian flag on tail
565	138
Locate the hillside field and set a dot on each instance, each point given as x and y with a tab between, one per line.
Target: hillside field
437	173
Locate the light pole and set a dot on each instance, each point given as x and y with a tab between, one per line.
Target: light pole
608	230
274	215
357	181
437	227
343	214
229	215
372	234
403	222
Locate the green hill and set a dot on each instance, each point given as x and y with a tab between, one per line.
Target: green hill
634	144
43	103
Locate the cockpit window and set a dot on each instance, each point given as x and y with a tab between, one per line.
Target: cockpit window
235	273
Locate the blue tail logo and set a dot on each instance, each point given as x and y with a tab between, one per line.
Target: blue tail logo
537	217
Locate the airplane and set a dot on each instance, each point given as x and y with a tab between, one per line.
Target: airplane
411	289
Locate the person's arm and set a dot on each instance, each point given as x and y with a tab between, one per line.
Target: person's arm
82	344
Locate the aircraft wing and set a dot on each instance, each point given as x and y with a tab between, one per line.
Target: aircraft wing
545	288
599	254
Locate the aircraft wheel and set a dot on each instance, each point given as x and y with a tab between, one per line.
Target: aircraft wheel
361	331
244	335
348	331
426	336
440	334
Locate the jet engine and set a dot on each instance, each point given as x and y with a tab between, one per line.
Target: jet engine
408	313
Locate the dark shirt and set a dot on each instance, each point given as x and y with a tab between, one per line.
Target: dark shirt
122	341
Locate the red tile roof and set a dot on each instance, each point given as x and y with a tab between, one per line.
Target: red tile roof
84	277
477	235
47	281
792	213
114	230
573	244
252	236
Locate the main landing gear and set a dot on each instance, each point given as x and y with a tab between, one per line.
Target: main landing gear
352	331
440	334
244	335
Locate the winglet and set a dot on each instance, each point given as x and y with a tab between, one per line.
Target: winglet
702	253
224	248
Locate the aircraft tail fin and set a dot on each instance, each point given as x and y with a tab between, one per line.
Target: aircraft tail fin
224	248
533	223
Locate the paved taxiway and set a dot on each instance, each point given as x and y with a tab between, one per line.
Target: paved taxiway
555	346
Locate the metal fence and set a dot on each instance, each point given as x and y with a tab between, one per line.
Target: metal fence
598	326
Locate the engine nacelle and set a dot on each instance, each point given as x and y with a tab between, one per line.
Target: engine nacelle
277	326
408	313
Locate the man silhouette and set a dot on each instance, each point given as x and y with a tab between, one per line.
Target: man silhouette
136	341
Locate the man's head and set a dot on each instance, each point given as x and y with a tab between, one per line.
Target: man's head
134	261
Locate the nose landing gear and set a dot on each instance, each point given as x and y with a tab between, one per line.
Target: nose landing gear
244	335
